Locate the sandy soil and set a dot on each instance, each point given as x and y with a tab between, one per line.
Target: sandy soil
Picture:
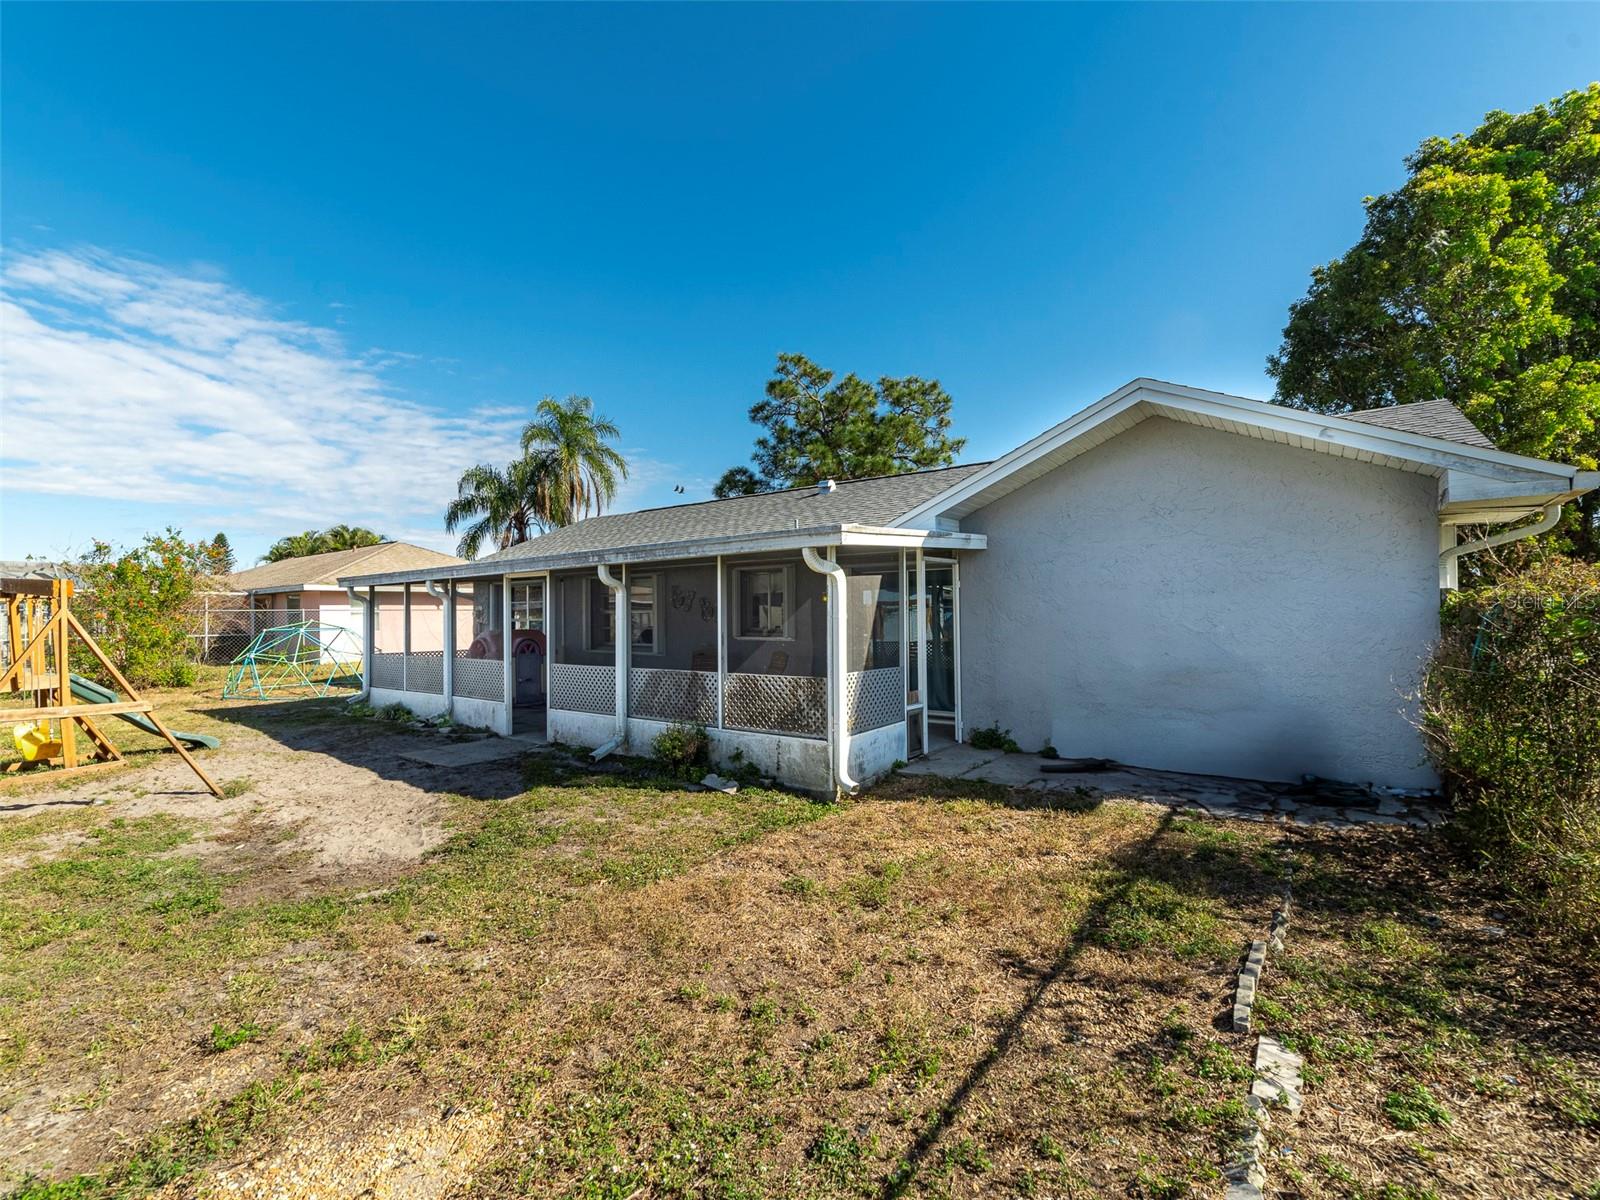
321	808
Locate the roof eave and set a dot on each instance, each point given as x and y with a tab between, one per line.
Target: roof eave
769	542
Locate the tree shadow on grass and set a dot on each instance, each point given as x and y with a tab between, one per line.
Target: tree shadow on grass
1089	928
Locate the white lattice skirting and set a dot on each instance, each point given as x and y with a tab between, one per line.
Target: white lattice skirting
875	698
425	672
575	687
480	679
659	694
389	672
796	704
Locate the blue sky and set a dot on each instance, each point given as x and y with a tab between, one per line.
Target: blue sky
276	267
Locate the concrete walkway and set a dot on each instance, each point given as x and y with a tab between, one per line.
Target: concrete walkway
473	753
1320	802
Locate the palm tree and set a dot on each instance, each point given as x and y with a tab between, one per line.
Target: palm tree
343	537
506	506
575	437
296	545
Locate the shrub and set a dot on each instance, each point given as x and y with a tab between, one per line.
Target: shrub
683	747
1511	712
135	605
994	738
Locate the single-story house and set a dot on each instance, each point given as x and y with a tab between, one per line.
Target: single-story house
1173	578
307	588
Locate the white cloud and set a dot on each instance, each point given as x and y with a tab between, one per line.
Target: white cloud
126	380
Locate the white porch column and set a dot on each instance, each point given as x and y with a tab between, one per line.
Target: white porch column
923	624
405	636
722	645
619	603
509	662
369	639
905	639
448	604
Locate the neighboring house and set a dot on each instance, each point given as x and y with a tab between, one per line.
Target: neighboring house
1173	578
308	588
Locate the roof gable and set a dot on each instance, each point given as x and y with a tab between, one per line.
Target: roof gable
1365	441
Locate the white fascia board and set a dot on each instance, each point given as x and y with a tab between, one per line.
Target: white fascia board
730	545
1434	455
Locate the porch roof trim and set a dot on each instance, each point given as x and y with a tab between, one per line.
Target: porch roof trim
769	542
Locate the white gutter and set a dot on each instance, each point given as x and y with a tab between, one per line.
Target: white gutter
623	636
366	644
1448	556
838	714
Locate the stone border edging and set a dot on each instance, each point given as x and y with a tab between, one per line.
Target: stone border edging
1277	1069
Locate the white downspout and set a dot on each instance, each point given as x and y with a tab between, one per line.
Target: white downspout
366	644
448	676
619	598
1449	556
838	714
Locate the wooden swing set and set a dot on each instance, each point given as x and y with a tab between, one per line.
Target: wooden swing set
40	625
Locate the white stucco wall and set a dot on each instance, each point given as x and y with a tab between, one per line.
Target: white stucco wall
1194	600
482	714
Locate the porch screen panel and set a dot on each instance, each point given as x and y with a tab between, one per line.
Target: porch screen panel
672	672
582	678
874	680
777	647
479	672
388	641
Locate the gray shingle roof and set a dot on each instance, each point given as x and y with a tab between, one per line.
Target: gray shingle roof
878	501
1430	418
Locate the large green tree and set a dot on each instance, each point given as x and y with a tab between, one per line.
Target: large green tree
507	506
819	428
574	438
1477	280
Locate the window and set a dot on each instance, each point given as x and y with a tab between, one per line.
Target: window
641	615
527	606
764	603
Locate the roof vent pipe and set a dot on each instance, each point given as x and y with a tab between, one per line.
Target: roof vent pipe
826	486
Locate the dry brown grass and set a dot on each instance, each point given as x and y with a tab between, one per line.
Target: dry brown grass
602	986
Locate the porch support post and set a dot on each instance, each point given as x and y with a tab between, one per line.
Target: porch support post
448	603
510	685
619	597
905	641
722	645
955	641
922	643
369	640
405	636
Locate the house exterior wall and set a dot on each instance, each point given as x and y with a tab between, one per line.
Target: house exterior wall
1189	599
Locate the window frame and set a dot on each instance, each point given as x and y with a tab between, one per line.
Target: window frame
657	647
739	573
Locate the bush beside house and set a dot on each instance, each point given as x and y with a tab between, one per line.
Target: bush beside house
1511	706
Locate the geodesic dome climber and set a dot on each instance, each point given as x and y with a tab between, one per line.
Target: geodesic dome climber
298	657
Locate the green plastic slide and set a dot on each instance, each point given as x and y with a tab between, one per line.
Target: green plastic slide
91	692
